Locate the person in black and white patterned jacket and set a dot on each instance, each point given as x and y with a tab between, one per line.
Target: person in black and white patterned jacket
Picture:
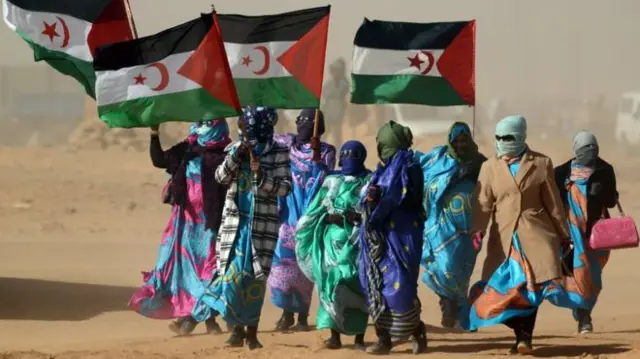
257	171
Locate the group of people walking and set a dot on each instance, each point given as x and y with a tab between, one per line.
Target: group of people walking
272	210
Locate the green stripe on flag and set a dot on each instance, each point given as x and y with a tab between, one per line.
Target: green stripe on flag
277	92
407	89
172	107
80	70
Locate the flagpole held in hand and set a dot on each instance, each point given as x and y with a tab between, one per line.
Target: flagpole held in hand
315	140
242	126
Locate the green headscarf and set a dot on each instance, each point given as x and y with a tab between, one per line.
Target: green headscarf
391	138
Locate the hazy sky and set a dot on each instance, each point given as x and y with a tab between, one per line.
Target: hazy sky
566	48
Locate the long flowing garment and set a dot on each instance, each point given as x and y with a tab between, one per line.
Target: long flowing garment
290	289
511	291
237	295
391	247
587	264
448	254
186	262
328	255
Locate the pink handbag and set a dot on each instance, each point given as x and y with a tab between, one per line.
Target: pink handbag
614	233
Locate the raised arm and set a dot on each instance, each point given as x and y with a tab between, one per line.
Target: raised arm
277	181
484	200
158	157
228	170
552	202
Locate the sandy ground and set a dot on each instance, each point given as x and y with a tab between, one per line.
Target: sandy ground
77	228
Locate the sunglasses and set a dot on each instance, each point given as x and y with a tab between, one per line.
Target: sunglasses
303	119
507	138
356	155
202	123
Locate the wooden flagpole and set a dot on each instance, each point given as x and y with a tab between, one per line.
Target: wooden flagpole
316	125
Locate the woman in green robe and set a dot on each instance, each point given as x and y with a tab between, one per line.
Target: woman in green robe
327	248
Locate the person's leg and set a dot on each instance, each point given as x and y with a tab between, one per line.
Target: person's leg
237	337
286	321
419	338
333	342
183	326
212	325
358	342
585	325
252	329
450	311
384	345
303	322
523	329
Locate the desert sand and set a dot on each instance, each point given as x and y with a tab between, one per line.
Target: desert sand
79	224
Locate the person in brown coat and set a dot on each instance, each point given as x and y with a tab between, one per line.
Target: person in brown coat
517	193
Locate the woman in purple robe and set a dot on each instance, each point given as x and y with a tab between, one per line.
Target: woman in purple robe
391	241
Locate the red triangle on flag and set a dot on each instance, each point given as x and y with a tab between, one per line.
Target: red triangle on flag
305	59
457	63
111	26
208	67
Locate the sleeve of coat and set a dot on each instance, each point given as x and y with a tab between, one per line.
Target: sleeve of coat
552	201
228	170
484	200
610	198
277	182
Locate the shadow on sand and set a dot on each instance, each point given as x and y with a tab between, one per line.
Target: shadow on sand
540	351
34	299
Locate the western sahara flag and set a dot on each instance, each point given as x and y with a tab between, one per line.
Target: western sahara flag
277	60
413	63
180	74
65	33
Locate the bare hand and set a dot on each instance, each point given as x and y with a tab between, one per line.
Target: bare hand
255	165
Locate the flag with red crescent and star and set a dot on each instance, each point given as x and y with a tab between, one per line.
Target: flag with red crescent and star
278	60
414	63
65	34
179	74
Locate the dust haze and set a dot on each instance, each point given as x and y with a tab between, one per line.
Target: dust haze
80	210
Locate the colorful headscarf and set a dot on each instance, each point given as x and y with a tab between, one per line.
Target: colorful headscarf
586	148
210	134
259	127
305	122
457	129
515	126
393	137
353	154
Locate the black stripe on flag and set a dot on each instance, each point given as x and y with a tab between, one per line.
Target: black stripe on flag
149	49
289	26
87	10
392	35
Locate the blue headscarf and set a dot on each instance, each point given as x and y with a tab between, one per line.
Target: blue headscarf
212	133
353	154
515	126
259	127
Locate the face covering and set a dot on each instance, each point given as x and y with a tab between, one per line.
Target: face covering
259	125
515	126
305	123
353	154
586	149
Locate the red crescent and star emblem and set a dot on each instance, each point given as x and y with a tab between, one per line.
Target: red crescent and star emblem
51	31
247	60
140	79
417	62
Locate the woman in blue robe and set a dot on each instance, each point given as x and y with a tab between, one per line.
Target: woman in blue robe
391	241
449	255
